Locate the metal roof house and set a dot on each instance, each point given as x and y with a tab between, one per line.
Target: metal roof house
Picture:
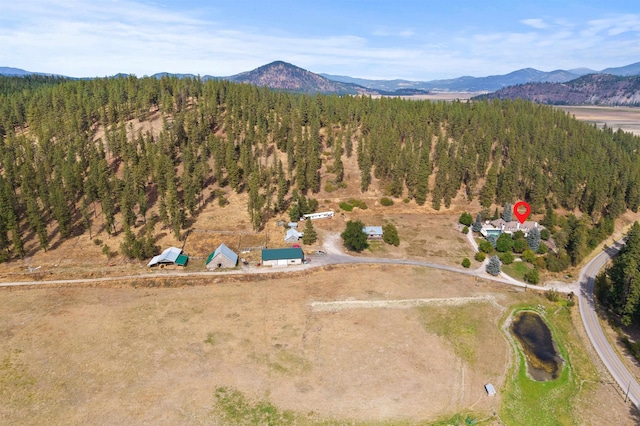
293	235
373	232
222	257
282	256
171	256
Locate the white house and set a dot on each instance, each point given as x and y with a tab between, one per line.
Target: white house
293	235
373	232
498	226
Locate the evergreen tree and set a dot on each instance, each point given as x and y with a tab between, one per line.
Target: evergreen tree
477	225
533	239
310	236
424	170
507	213
494	266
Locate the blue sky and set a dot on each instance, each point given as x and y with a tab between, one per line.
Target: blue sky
417	40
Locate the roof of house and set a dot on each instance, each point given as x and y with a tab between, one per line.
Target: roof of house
282	253
226	252
170	255
372	230
514	225
293	233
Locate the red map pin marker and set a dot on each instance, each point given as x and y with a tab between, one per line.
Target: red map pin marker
518	207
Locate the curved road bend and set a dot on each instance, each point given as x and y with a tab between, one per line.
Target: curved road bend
609	357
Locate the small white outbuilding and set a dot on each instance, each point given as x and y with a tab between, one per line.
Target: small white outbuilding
491	391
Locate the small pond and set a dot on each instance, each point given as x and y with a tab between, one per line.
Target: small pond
533	334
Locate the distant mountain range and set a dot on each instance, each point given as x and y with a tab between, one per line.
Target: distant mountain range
284	76
592	89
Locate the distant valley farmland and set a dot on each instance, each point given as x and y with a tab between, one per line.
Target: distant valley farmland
625	118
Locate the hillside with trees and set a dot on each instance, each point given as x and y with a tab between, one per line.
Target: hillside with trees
592	89
73	154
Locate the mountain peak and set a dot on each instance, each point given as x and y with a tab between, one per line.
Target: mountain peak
285	76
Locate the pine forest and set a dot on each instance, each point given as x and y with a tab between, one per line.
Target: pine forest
71	155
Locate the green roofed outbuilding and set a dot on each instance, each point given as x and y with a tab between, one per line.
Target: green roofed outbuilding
282	256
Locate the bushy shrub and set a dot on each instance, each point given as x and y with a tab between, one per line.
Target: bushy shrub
390	234
480	256
528	256
532	276
506	258
545	234
542	248
557	263
466	262
553	295
504	243
466	219
519	246
465	230
346	206
358	203
386	201
485	246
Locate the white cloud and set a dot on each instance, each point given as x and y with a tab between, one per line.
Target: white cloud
82	38
535	23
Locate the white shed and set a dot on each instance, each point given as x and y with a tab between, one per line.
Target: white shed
491	391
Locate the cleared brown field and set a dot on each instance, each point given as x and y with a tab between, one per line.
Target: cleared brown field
625	118
147	353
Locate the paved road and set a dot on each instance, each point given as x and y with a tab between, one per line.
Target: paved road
609	357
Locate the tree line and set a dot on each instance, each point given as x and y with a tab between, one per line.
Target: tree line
69	160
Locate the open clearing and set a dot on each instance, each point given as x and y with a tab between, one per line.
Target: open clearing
156	354
625	118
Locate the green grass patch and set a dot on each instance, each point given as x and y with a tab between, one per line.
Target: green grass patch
287	362
517	269
458	326
526	401
376	247
233	408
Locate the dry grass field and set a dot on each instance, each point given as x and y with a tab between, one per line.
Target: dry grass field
155	352
625	118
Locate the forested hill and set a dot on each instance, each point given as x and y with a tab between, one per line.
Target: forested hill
593	89
70	155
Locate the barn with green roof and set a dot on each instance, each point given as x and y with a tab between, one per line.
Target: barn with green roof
282	256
